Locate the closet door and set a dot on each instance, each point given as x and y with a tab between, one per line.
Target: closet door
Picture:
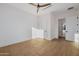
70	28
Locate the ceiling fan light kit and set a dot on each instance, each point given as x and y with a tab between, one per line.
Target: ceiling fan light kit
40	5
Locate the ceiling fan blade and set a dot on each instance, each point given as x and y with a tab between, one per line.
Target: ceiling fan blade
44	5
47	7
38	8
32	4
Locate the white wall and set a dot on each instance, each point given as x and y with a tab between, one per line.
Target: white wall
49	22
45	24
15	25
54	27
59	15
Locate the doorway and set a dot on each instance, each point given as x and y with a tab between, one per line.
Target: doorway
61	28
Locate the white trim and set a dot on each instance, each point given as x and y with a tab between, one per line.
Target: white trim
14	42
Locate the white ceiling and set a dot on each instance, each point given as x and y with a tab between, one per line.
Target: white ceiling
54	8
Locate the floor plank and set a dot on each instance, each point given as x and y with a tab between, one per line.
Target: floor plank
40	47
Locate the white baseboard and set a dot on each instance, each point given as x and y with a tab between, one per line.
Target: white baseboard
4	43
69	40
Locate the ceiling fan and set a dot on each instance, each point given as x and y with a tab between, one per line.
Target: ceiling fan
39	5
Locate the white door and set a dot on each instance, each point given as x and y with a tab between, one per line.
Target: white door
70	28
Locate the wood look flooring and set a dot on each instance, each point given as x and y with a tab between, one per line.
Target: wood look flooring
40	47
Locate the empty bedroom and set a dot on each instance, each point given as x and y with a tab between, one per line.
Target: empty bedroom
39	29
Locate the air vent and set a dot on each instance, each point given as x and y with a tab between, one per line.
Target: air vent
70	8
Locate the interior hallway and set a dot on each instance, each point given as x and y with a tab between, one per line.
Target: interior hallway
39	47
